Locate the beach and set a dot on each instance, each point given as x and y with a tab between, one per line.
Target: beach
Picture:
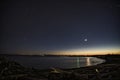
109	70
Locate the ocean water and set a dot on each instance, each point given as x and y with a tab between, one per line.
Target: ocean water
59	62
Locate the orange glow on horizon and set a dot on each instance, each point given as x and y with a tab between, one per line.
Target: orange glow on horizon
92	51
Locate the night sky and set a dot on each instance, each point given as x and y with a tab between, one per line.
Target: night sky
35	25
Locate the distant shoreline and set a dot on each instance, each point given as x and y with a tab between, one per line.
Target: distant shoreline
50	55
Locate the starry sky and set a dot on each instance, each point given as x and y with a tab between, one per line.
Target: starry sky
56	25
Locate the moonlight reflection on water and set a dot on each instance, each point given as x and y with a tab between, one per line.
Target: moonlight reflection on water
88	62
78	62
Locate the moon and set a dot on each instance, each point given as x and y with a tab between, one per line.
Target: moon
85	40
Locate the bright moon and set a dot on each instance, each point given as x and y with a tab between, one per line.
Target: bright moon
85	40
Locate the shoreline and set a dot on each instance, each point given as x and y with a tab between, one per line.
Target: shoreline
110	69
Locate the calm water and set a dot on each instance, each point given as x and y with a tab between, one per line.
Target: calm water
60	62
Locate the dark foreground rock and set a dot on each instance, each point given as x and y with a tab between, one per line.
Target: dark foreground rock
10	70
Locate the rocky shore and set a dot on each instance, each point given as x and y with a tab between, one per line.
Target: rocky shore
10	70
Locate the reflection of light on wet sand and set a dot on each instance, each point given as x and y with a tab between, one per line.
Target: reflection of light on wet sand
88	63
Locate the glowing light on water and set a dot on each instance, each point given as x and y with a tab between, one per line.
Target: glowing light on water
88	62
78	62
